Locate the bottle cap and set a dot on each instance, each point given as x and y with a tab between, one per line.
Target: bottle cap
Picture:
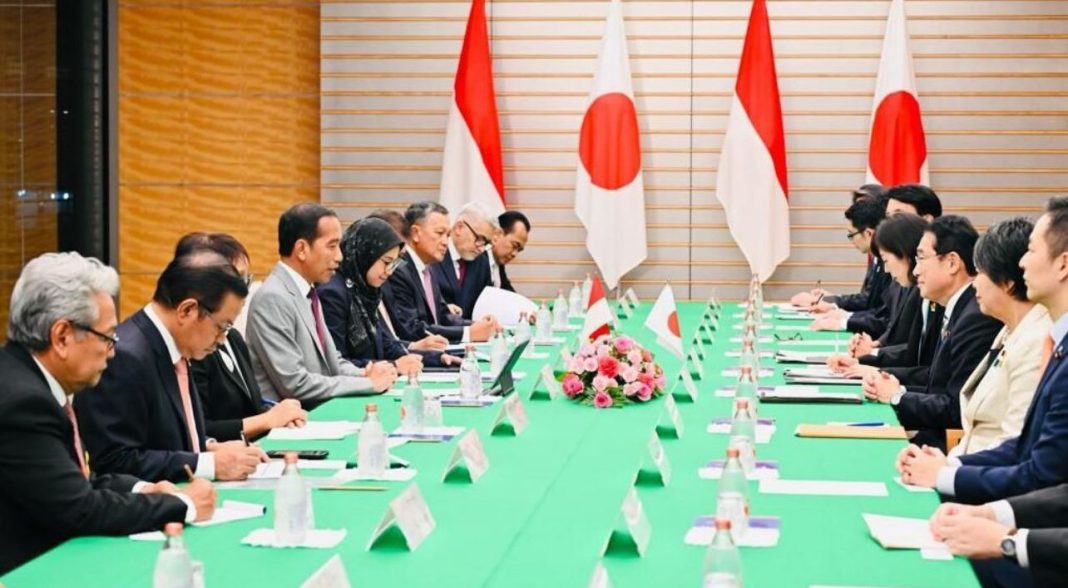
742	403
291	457
723	524
733	452
172	529
747	369
371	407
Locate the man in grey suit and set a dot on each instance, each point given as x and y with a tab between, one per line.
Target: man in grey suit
293	355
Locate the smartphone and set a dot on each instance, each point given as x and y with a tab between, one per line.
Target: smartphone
301	453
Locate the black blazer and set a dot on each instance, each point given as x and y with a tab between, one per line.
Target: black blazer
911	363
862	300
506	284
335	299
872	306
44	497
226	398
133	422
1045	513
408	308
935	406
476	278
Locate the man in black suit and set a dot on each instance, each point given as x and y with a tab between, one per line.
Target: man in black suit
508	243
944	272
145	417
464	271
413	298
60	337
229	393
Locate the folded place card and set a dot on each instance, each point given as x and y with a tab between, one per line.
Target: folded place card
331	575
761	532
411	515
470	451
513	411
823	488
688	384
624	307
705	333
636	521
315	539
548	379
632	297
763	470
671	408
695	364
659	458
600	577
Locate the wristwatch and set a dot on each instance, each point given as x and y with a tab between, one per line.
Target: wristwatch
1008	548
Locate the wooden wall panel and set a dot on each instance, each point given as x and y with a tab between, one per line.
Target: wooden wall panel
218	127
992	77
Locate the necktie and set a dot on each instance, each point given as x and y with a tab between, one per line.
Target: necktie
317	314
181	370
69	410
428	290
463	270
1047	352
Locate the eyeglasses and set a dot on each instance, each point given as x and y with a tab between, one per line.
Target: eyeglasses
248	279
112	340
849	236
924	258
480	240
222	329
393	265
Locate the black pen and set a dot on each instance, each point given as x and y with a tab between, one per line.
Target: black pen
244	439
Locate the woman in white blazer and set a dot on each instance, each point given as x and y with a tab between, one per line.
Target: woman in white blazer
995	399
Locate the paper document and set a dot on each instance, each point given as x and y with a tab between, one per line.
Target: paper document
789	356
503	304
390	475
316	431
427	434
804	395
316	538
901	532
227	512
268	471
823	488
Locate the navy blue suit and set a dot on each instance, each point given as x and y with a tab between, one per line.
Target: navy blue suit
408	309
871	306
132	422
476	278
1037	458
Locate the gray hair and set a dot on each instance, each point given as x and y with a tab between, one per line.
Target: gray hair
477	212
53	287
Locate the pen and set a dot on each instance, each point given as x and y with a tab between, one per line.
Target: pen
355	488
818	300
244	439
189	472
866	424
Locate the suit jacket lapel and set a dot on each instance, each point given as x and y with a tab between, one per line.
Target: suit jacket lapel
417	287
166	373
450	276
300	300
1055	361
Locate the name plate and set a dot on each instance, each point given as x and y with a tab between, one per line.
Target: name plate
331	575
513	411
632	298
600	577
688	384
674	418
638	525
409	512
545	376
659	458
470	452
699	345
624	307
695	363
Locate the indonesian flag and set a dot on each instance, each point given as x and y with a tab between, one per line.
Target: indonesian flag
751	179
897	151
471	169
609	193
598	315
663	320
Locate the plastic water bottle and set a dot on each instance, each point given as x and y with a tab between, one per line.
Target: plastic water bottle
749	358
413	410
174	567
291	505
723	563
732	495
746	387
522	329
587	286
470	376
498	352
743	434
544	322
574	301
432	416
372	457
560	311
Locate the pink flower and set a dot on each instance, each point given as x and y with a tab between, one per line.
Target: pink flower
646	356
602	400
587	350
624	344
575	364
635	357
645	393
632	389
603	350
589	364
608	366
572	385
628	373
602	383
646	378
661	381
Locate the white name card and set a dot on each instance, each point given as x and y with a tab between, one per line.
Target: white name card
672	409
514	412
331	575
632	297
411	515
659	458
688	383
624	306
641	530
695	362
600	577
468	450
545	376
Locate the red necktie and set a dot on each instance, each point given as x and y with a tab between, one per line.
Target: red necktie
463	270
316	308
181	370
78	449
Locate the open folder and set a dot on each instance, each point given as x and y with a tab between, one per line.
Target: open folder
850	432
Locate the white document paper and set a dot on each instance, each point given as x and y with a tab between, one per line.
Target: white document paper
901	532
791	356
316	431
390	475
315	539
823	488
268	471
321	464
763	432
911	488
503	304
227	512
765	372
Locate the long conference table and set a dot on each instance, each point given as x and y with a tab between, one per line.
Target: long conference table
550	501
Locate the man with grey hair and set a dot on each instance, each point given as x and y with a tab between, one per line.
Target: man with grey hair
413	296
61	333
463	272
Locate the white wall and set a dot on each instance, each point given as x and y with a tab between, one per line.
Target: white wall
992	77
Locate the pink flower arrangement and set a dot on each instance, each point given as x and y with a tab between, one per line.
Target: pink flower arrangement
612	372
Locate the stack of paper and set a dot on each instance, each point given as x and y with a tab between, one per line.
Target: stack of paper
316	431
227	512
505	305
789	356
901	532
315	539
804	395
818	375
823	488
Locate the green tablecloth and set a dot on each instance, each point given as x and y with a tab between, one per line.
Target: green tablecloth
551	498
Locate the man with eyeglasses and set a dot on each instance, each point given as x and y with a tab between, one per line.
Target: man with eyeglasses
61	334
461	275
145	417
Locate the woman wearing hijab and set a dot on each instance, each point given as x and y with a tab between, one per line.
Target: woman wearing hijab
351	300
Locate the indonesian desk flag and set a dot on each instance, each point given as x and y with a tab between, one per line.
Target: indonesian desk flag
751	179
598	315
663	321
897	151
609	193
471	170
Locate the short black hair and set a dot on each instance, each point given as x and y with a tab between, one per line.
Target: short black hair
900	235
417	212
224	244
204	276
1057	231
300	221
869	191
955	234
998	253
394	218
922	198
866	213
509	218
